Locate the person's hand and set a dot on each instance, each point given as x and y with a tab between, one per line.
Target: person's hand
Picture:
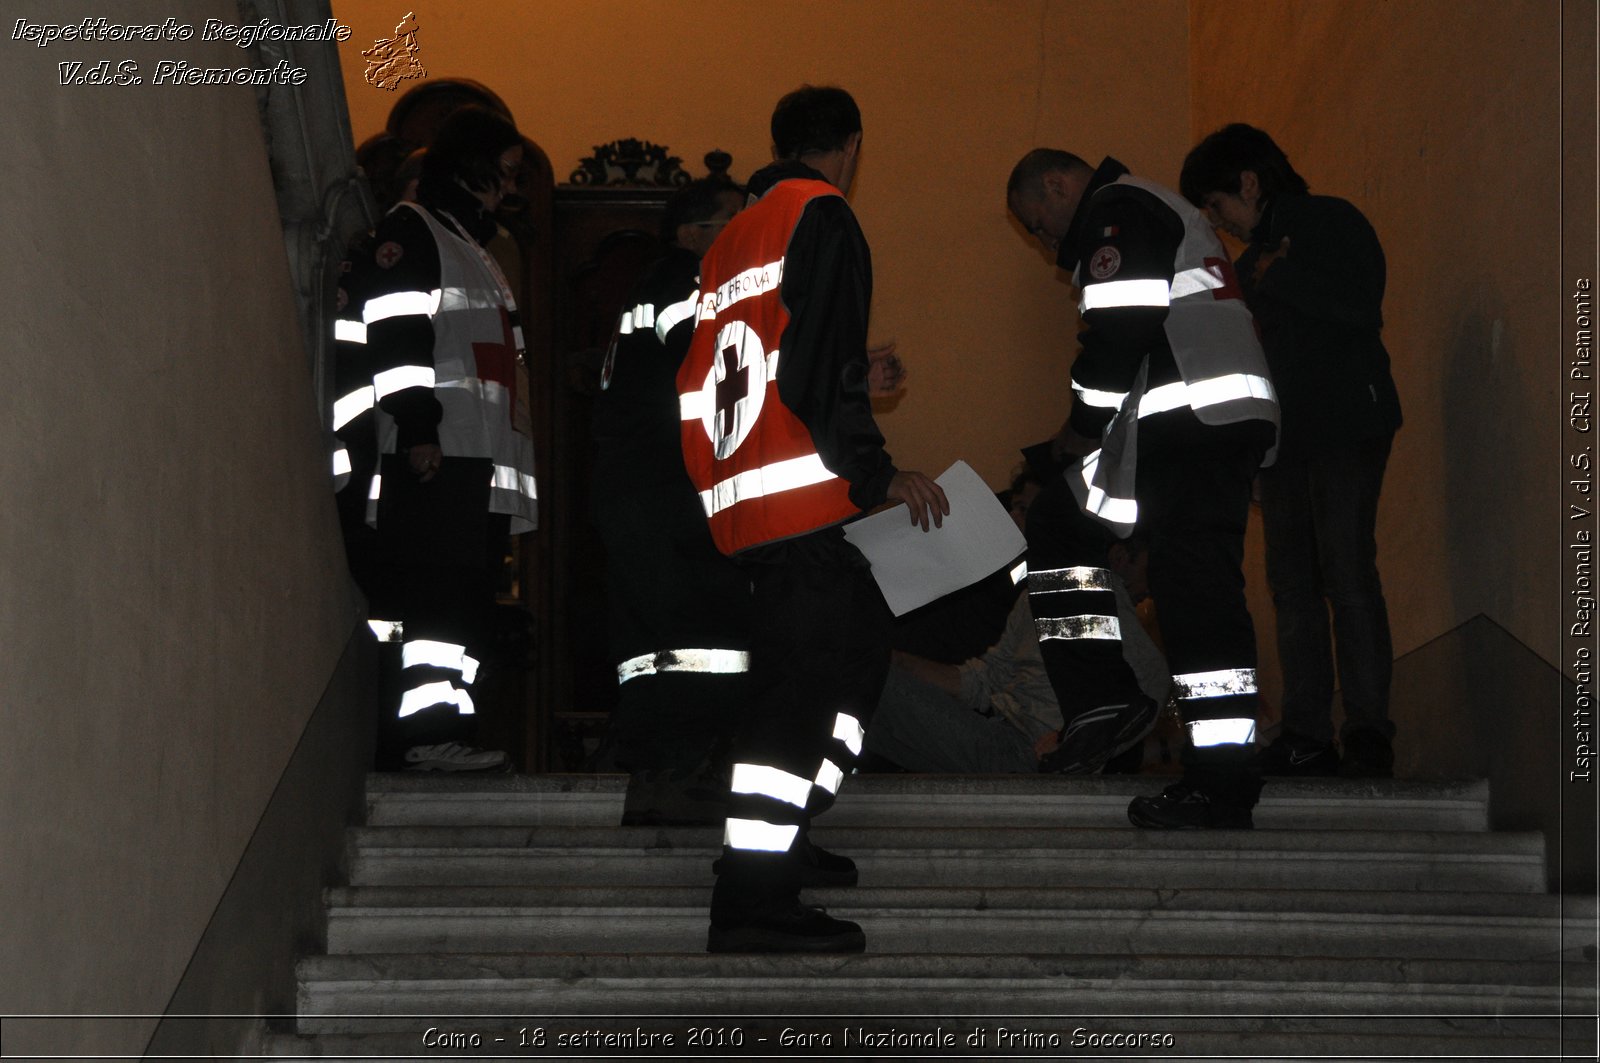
1068	443
886	373
1268	258
922	496
424	459
1046	744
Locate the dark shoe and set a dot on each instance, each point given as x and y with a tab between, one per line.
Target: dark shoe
1094	737
1367	755
1183	806
1289	754
454	756
818	867
799	929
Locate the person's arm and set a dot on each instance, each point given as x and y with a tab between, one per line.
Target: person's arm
399	334
945	677
823	368
1126	278
1324	260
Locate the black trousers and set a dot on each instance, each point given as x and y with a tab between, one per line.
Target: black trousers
439	551
671	597
1193	493
819	656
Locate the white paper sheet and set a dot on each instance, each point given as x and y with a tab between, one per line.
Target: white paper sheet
914	567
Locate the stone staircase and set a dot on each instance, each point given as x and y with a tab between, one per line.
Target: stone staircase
1005	917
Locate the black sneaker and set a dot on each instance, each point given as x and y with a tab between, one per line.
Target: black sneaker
1289	754
799	929
1094	737
1183	806
1367	755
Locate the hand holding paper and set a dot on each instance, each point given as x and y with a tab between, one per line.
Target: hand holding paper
913	567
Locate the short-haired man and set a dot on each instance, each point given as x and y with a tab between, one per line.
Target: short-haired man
1173	412
679	610
779	439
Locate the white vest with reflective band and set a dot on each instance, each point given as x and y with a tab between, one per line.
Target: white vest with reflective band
1213	340
480	376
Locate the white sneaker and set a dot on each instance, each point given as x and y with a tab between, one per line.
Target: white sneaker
454	756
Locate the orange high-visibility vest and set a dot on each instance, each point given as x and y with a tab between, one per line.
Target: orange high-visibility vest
751	459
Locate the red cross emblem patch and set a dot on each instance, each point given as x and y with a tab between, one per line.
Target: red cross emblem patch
1104	263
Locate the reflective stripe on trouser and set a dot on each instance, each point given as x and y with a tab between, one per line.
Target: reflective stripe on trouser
819	656
1218	706
435	673
1074	606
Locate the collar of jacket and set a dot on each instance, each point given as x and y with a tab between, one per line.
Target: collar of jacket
1262	233
1109	170
461	205
784	170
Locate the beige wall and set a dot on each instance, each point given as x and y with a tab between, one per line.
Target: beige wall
1440	120
952	93
175	598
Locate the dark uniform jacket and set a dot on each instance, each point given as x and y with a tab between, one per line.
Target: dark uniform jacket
1320	309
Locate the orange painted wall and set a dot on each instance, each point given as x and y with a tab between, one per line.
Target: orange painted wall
952	93
1441	121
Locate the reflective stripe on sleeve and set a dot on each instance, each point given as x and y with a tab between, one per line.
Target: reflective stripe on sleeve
1076	578
1203	393
713	662
1019	573
674	315
754	834
1224	682
1078	627
1109	295
763	780
398	379
1236	732
1108	507
768	480
341	462
401	304
640	318
848	729
1105	400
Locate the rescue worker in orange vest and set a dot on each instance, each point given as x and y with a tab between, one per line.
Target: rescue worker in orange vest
1173	413
780	442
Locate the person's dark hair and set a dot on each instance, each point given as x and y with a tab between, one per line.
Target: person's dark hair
1028	173
1217	161
468	147
813	118
694	202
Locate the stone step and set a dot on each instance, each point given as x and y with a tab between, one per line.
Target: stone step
971	931
343	995
987	1037
398	800
1083	856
